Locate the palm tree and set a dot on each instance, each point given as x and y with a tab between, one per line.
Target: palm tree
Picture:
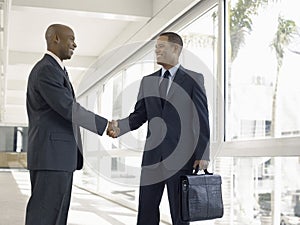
240	24
286	30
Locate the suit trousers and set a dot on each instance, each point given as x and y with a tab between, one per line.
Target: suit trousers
50	197
150	196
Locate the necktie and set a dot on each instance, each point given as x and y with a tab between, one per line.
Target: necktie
163	87
67	77
66	74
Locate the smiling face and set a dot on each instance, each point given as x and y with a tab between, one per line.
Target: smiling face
61	41
66	43
166	52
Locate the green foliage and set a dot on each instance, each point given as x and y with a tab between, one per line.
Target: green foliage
240	22
286	30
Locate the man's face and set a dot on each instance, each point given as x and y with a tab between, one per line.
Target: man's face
165	52
67	43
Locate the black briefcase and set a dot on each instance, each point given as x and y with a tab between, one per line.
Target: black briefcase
201	197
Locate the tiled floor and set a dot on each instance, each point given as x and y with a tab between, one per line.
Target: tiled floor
86	208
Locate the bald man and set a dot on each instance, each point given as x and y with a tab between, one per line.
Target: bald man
54	142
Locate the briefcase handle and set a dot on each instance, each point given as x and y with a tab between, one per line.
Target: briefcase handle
205	171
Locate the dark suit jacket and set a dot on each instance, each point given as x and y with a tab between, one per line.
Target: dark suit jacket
184	135
54	141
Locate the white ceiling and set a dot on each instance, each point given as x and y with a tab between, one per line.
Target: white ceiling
99	26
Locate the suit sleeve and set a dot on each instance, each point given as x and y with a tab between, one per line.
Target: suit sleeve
51	87
137	118
200	101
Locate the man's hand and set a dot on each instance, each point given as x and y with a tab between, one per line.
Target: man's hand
113	130
203	164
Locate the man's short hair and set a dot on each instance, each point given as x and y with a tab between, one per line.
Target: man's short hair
173	37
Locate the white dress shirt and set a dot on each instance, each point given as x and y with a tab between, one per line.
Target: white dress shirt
56	59
172	71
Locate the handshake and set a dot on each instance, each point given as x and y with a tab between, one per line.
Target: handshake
113	130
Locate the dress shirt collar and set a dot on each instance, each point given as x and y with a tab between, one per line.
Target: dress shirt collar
56	59
172	71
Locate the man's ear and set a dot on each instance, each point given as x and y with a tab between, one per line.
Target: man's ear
56	39
176	48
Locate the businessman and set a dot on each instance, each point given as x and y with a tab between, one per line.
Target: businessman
54	142
173	102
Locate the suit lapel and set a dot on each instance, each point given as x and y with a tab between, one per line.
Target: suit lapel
156	85
67	81
55	64
178	79
66	77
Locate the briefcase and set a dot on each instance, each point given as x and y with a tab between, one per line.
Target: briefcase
201	197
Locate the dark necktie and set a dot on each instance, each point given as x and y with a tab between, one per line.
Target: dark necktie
67	77
163	87
66	74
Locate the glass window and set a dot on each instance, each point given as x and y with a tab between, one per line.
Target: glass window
260	190
200	54
114	168
263	52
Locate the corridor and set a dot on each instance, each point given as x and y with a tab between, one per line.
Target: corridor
86	208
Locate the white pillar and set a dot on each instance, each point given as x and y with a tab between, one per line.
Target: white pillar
276	194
